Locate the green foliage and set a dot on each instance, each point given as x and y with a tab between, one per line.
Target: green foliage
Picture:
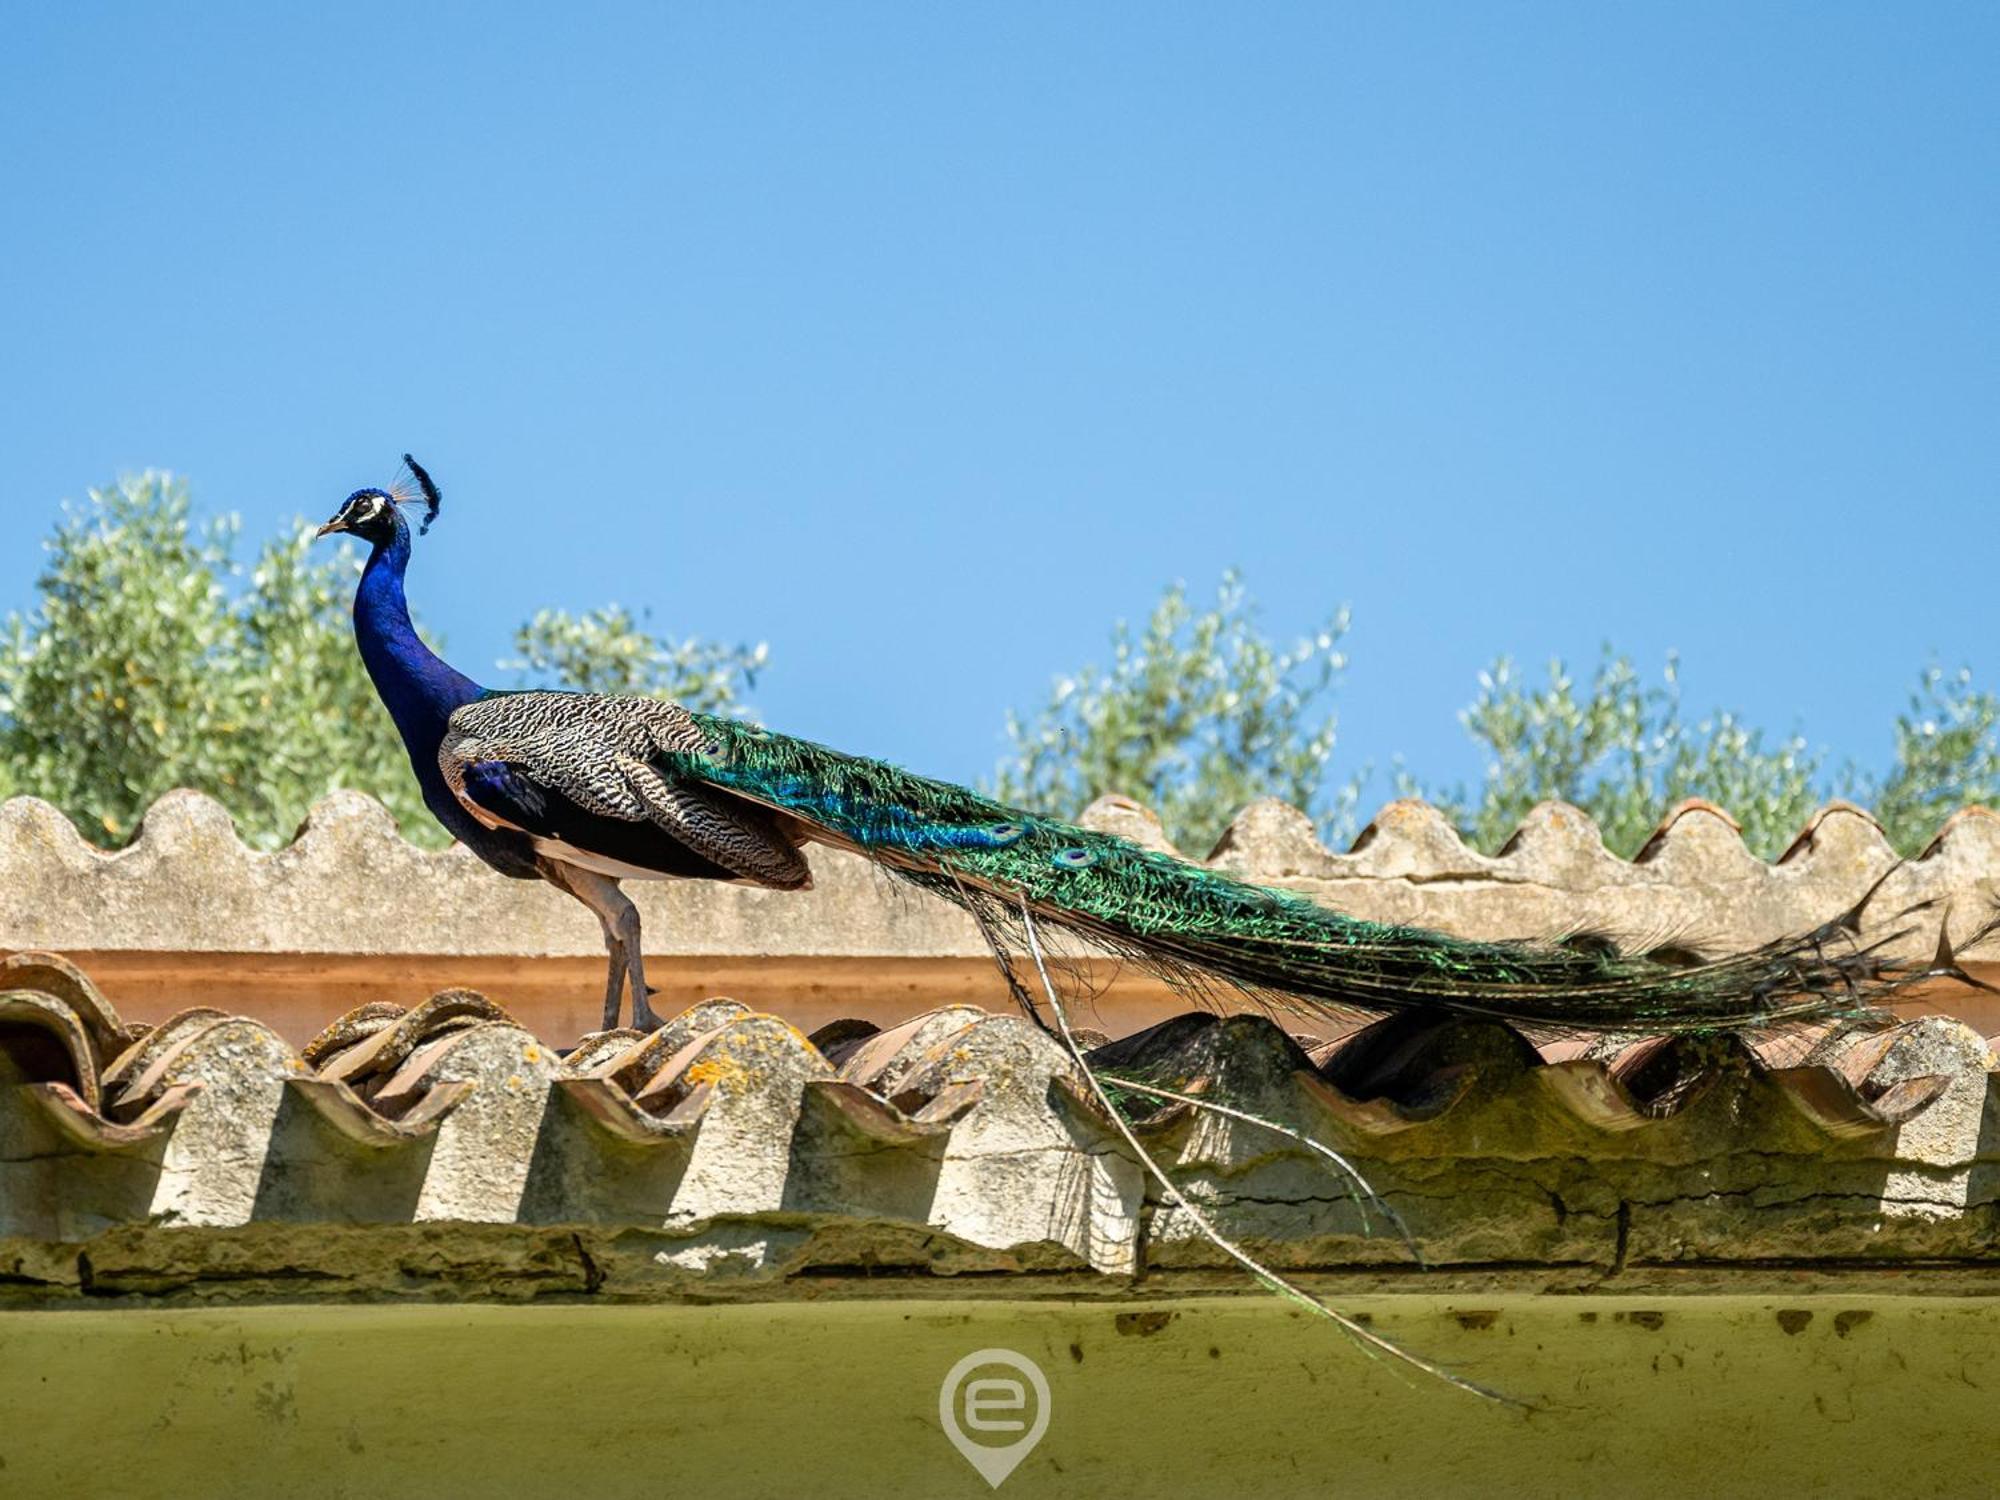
1197	714
1200	713
109	679
142	670
1624	752
607	651
1947	757
154	661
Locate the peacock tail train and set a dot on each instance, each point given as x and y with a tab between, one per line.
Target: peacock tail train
1204	931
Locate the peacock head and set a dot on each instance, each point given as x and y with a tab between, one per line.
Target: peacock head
371	514
368	514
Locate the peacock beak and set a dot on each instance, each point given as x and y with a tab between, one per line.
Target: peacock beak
329	528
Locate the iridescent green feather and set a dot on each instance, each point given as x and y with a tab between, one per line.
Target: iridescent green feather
1200	928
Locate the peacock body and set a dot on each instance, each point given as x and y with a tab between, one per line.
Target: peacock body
585	790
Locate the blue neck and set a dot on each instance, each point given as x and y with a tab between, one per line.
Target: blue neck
419	690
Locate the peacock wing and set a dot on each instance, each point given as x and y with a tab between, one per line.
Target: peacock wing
508	754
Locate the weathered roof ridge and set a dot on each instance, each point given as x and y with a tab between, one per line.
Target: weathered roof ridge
1263	835
188	882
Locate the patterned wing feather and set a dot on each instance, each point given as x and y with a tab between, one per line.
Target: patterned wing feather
602	756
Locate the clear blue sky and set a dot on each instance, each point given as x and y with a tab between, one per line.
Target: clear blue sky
923	341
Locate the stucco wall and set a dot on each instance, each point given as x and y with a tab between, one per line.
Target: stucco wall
1717	1396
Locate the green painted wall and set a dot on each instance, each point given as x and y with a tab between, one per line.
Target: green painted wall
1237	1397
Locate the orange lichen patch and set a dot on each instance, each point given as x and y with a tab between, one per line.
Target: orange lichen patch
711	1071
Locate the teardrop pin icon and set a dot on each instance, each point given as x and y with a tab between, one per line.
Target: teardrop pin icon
979	1398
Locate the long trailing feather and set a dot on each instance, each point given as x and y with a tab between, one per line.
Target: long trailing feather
1204	931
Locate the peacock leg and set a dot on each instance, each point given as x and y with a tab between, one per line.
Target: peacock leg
614	977
620	921
642	993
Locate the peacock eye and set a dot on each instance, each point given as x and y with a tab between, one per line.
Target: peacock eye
1003	834
1074	859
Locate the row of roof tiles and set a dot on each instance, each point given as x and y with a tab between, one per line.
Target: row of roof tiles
973	1128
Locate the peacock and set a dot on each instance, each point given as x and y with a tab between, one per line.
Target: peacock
584	790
